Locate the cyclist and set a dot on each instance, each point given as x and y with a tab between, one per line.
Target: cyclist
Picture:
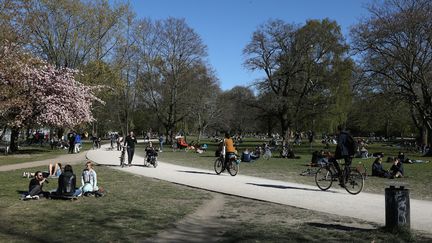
229	148
345	149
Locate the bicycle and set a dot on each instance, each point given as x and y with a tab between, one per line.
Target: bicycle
352	182
267	153
232	166
123	156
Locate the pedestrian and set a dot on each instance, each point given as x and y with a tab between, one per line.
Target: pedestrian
130	142
161	142
71	138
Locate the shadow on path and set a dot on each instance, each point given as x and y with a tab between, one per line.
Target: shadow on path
286	187
338	227
196	172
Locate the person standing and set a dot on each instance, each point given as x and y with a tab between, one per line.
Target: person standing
130	142
71	139
77	143
161	141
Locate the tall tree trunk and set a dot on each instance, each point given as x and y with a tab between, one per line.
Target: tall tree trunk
14	139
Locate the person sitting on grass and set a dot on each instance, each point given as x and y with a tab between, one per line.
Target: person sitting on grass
67	184
36	185
256	154
397	171
55	170
89	181
246	156
378	170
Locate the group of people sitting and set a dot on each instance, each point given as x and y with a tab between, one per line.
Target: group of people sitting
250	156
66	183
395	171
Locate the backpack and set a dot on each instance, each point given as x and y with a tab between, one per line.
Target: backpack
67	185
351	145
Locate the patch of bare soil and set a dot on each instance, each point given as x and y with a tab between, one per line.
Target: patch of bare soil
204	225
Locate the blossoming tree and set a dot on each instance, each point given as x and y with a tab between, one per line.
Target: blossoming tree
33	92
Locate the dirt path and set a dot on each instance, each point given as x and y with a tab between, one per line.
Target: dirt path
64	159
201	226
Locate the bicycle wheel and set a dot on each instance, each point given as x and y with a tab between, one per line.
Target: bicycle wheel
324	178
233	168
146	164
218	165
155	162
355	182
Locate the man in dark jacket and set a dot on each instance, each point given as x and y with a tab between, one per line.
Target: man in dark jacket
130	142
344	150
35	186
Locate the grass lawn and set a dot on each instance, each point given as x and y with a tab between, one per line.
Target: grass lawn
289	169
136	208
36	153
133	209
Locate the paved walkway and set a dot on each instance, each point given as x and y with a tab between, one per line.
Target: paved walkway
366	206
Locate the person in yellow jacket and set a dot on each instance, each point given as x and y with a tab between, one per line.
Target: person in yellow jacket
229	147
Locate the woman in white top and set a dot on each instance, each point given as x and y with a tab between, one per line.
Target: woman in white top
89	179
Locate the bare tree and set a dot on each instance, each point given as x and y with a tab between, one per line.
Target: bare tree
302	66
396	43
172	56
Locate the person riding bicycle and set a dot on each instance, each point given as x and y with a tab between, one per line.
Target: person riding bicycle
345	149
229	147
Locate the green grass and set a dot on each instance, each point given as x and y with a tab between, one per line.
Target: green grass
36	153
134	208
255	221
417	175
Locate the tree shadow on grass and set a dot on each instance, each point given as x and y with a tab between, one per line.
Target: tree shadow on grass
286	187
339	227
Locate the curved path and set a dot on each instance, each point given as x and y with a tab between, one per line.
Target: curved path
366	206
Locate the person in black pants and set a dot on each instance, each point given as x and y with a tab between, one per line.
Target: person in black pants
35	186
130	142
71	138
345	149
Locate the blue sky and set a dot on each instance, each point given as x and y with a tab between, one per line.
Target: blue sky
226	26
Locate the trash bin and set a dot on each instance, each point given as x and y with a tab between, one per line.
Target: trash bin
397	207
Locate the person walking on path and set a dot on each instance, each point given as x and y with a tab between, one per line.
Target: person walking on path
71	138
130	142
